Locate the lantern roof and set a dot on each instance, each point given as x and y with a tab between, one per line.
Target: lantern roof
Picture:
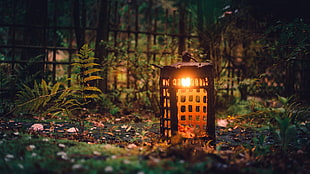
189	64
189	69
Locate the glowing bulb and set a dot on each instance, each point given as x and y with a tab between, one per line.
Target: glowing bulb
186	82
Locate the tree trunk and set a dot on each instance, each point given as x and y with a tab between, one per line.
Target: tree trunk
79	22
102	37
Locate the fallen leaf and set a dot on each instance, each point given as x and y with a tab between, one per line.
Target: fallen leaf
96	153
98	124
108	169
222	122
8	157
131	146
77	166
128	129
30	147
51	129
186	131
109	133
61	145
37	127
176	139
63	155
73	130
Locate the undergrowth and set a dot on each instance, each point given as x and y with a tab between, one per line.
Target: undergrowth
58	100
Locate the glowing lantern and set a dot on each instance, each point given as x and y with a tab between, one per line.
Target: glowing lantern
186	82
187	100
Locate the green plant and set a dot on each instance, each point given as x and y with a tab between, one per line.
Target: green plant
260	147
106	105
5	86
83	90
45	98
25	74
292	39
285	125
286	131
141	77
42	99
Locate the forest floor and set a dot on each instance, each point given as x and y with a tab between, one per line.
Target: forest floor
137	149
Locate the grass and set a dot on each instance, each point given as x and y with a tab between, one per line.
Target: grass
25	153
29	153
245	145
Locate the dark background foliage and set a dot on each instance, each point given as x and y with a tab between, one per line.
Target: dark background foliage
243	38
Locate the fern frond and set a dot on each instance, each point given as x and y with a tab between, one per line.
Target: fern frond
91	96
78	55
71	102
80	59
40	99
36	89
76	64
75	88
44	87
87	79
92	71
88	65
64	94
92	88
45	92
55	88
85	65
76	95
26	94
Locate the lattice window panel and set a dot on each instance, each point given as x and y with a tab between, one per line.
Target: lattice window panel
192	109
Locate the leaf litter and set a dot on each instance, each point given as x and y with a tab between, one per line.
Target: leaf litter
229	154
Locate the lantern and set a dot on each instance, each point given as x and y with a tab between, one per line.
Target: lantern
187	100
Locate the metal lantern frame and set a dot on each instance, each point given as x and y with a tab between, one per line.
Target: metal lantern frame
190	104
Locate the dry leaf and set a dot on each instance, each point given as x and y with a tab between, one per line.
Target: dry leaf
73	130
131	146
128	129
37	127
108	169
222	122
30	147
109	133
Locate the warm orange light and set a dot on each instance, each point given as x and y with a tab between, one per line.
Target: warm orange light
186	82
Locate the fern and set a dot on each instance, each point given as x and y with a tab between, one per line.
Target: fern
44	98
84	90
40	100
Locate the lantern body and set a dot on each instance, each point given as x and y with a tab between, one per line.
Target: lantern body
187	100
